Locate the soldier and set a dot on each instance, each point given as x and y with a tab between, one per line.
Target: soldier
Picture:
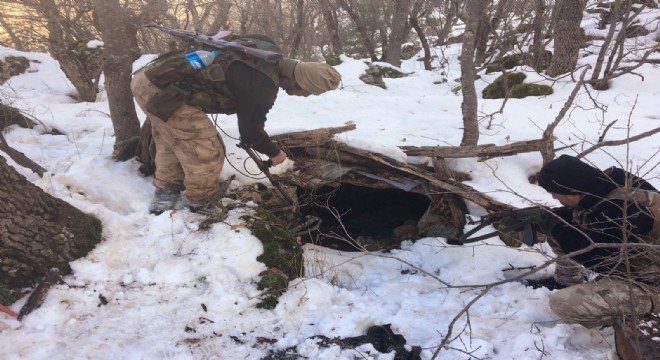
602	212
177	98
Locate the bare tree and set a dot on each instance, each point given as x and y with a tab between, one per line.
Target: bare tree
24	27
330	17
299	29
119	33
538	27
614	48
442	20
14	40
69	30
488	22
417	12
471	16
398	32
567	36
351	8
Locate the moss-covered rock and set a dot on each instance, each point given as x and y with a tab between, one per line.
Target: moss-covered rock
375	74
496	90
12	66
332	59
409	50
523	90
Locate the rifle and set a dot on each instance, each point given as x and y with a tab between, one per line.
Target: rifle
298	227
264	165
218	43
526	219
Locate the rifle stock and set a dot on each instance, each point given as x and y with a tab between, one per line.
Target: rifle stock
218	43
305	224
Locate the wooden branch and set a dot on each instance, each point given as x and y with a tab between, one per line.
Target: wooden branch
19	157
462	190
481	151
548	152
619	142
317	137
38	295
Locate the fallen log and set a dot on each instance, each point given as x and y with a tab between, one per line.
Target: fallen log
317	137
456	187
483	152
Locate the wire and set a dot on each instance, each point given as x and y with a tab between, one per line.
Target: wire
245	171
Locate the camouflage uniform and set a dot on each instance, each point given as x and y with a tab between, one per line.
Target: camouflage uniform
189	151
603	301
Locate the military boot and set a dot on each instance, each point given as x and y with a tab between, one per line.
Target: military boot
164	200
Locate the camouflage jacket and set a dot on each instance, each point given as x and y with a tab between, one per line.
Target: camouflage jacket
233	83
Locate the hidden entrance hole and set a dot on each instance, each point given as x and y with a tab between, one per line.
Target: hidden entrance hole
356	218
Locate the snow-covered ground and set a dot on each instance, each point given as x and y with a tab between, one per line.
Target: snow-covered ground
175	292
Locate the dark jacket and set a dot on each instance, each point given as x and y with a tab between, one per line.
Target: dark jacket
232	83
602	221
254	94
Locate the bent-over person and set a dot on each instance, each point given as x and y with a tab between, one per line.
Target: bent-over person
177	98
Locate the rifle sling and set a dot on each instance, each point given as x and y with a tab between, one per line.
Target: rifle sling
528	239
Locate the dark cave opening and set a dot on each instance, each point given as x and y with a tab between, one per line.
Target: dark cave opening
365	218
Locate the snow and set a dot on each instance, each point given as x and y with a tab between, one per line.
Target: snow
176	292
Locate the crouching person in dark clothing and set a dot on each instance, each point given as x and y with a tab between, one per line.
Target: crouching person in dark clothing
609	224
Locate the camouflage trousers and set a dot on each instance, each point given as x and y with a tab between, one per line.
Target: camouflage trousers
603	301
189	151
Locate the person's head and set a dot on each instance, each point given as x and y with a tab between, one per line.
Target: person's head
312	79
568	179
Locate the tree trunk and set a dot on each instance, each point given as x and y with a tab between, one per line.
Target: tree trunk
332	25
120	52
38	232
567	36
487	26
81	65
539	34
468	74
484	29
368	44
398	31
414	22
451	16
298	29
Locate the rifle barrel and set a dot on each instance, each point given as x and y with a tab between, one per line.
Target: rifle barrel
218	43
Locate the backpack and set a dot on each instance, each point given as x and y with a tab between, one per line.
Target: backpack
174	66
182	84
